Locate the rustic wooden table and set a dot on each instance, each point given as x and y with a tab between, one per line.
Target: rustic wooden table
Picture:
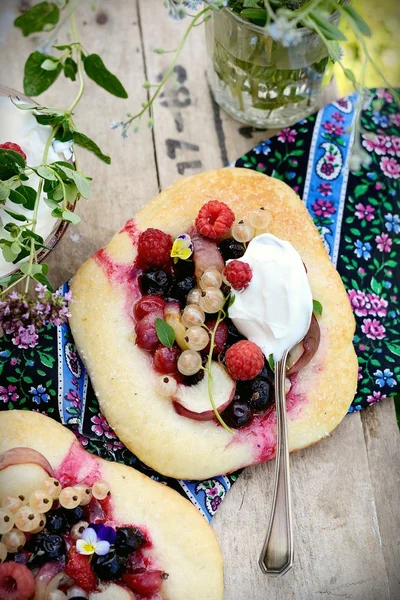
346	491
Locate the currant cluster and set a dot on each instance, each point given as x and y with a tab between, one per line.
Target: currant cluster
186	283
20	515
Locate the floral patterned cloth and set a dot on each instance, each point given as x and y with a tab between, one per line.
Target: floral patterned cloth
358	218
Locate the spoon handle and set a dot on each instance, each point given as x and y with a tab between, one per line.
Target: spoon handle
277	554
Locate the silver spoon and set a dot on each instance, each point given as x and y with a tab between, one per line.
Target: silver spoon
277	554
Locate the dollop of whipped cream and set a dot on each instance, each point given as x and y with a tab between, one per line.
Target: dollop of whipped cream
275	310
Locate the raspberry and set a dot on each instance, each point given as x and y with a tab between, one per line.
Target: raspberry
78	568
244	360
154	247
214	219
16	582
14	147
238	273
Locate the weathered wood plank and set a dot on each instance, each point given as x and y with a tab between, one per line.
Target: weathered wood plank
337	539
120	189
186	139
382	439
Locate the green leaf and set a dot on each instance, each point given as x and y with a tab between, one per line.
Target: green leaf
81	182
317	307
165	333
46	173
97	71
25	195
356	20
355	231
376	286
63	47
70	68
257	15
8	254
271	362
334	50
5	187
394	348
85	142
46	359
10	164
36	79
16	216
350	75
330	31
70	216
49	65
41	17
360	190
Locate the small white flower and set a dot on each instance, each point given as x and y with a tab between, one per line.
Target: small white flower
66	148
282	30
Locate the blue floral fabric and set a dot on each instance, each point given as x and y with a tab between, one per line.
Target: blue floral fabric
358	218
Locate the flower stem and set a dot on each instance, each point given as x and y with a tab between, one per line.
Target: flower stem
170	69
220	318
78	62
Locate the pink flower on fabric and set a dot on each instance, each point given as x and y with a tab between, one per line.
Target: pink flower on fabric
378	144
394	146
395	119
325	189
359	373
287	135
365	212
378	186
338	117
376	397
74	397
332	128
383	242
358	301
212	492
384	94
101	427
390	167
376	306
8	393
323	207
373	329
13	362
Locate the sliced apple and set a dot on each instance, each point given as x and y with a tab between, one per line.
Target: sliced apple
193	401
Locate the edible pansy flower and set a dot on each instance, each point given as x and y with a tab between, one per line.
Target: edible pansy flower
96	539
182	247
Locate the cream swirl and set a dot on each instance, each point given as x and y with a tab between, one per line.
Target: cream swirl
275	310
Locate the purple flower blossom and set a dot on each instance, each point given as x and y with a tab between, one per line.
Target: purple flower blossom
23	317
373	329
338	117
383	242
364	212
332	128
327	168
8	394
101	427
325	189
74	397
104	533
323	208
287	135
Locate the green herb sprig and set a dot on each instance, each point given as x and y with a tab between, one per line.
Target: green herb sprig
61	183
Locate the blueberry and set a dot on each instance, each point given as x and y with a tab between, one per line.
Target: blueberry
238	414
230	248
265	374
183	268
109	566
129	539
74	515
180	288
45	548
260	394
56	522
155	282
233	334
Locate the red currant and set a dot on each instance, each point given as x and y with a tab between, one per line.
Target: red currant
147	305
166	360
146	334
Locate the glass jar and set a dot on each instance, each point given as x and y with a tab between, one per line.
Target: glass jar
258	81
